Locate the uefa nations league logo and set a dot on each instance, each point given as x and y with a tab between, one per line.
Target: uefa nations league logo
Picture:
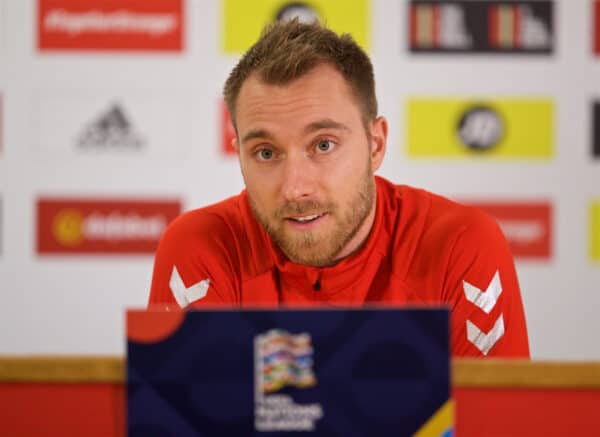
283	360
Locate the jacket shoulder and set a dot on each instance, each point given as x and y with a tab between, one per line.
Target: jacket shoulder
212	224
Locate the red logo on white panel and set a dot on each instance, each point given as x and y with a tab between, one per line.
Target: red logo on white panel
98	226
526	226
145	25
227	131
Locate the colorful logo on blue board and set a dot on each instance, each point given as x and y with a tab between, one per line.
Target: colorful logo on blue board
286	360
283	360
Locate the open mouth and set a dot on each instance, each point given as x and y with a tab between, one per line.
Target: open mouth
306	218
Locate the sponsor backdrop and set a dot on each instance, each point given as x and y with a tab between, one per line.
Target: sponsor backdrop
481	26
596	35
100	226
239	32
595	231
499	128
526	224
1	117
110	25
112	123
596	130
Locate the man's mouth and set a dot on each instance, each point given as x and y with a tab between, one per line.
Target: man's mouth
306	218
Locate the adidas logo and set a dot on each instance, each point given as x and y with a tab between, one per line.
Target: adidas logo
112	130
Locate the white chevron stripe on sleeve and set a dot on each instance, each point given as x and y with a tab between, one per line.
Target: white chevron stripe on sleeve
186	295
484	300
484	342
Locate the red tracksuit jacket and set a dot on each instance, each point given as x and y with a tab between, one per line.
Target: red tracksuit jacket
423	249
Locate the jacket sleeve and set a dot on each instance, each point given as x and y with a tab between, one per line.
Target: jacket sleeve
194	264
481	287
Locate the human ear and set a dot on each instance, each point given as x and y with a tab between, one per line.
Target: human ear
379	131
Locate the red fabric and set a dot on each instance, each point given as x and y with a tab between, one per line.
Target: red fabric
66	410
423	250
526	412
95	410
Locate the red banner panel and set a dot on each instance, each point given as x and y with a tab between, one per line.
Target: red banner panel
89	226
144	25
526	226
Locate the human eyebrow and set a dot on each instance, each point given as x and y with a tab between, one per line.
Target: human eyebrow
256	133
326	123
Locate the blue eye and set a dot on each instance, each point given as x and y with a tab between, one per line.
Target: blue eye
325	146
265	154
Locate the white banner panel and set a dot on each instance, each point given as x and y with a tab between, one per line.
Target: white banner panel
141	124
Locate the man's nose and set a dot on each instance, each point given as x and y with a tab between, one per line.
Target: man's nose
299	177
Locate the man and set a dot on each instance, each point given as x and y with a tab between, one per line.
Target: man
315	226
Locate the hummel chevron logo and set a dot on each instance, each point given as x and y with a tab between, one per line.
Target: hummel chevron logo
484	342
184	295
484	300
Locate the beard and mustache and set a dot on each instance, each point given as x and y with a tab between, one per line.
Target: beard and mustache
320	247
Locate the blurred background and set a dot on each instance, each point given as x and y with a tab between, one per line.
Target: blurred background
112	123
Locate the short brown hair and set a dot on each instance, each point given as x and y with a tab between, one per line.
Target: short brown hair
286	50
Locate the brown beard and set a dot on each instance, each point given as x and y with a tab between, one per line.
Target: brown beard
309	248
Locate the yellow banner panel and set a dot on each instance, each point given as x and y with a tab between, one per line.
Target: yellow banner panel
243	20
507	128
594	227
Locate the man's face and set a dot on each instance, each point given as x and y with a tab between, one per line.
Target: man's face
308	164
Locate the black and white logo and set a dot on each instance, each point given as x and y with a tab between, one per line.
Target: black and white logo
439	27
302	11
112	130
481	128
596	130
481	26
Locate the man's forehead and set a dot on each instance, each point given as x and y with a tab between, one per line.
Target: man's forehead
314	126
319	99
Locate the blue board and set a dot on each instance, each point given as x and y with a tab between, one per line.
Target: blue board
367	372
